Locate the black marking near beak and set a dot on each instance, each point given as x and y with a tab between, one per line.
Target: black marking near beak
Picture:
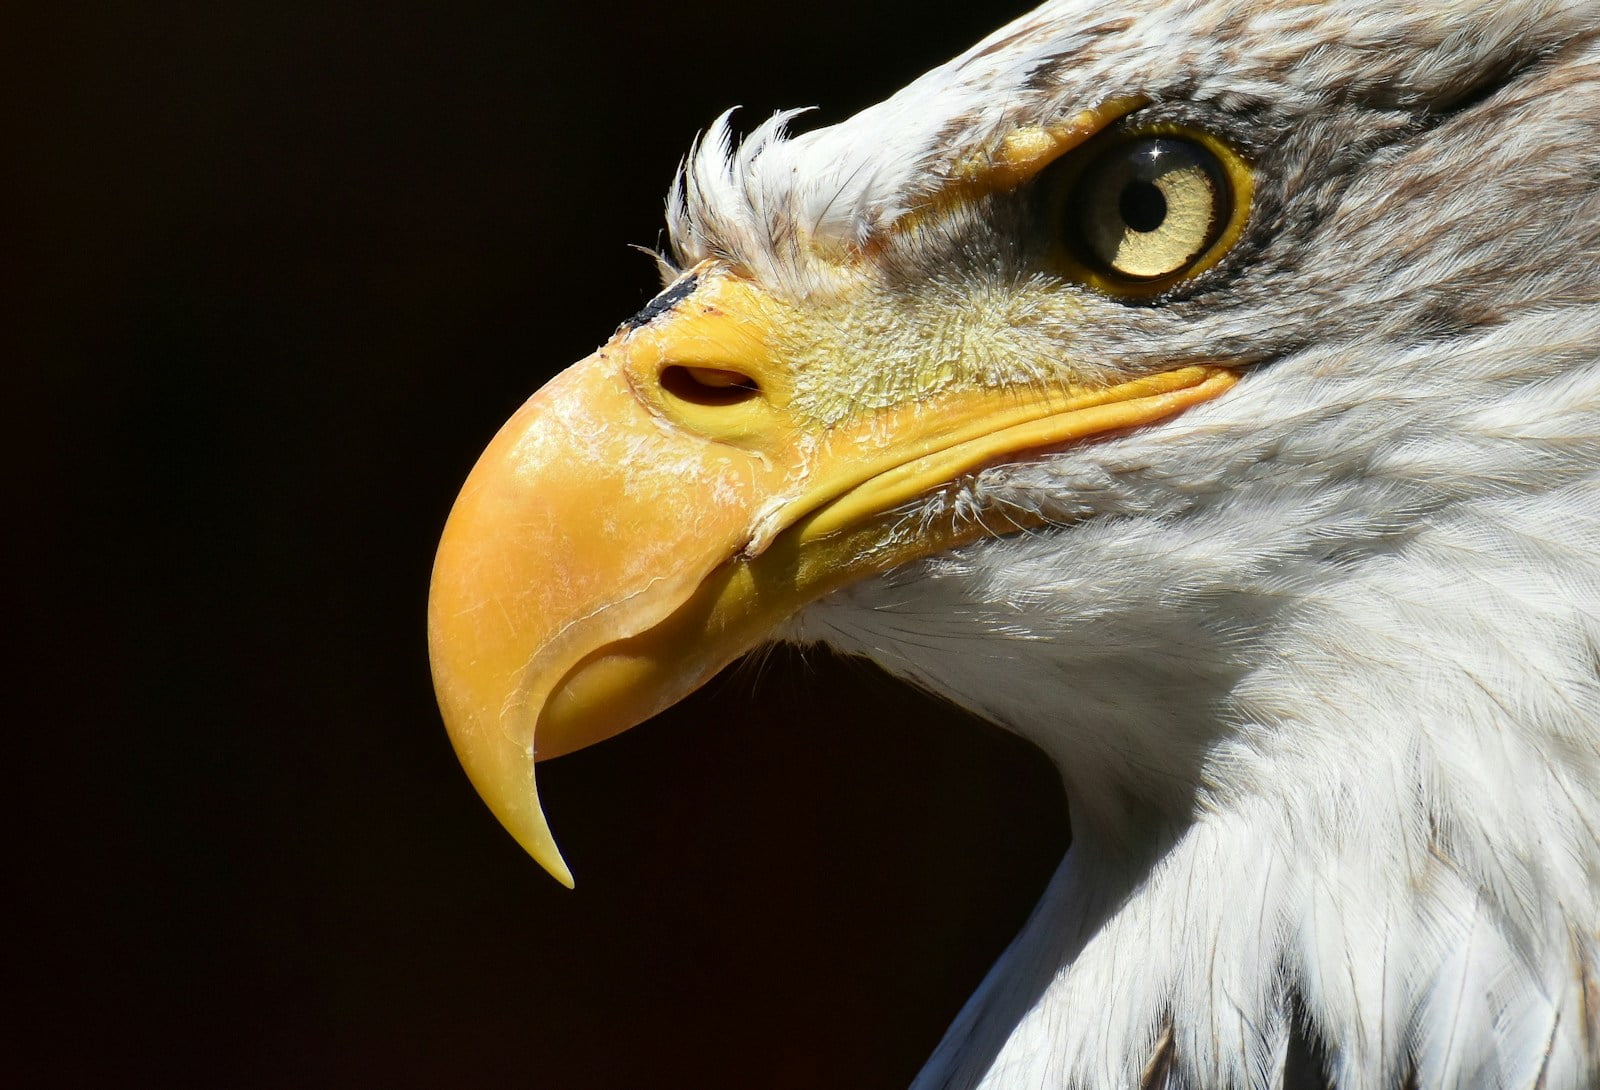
662	303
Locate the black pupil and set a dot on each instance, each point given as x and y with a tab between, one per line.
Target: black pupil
1142	206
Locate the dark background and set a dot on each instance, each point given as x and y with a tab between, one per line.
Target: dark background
276	272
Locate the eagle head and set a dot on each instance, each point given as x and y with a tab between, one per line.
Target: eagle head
1208	391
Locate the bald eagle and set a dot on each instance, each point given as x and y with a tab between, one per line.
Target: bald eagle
1206	390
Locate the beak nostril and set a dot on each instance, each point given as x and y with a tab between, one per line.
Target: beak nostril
708	385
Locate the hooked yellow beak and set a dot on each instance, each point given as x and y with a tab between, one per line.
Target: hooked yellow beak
661	507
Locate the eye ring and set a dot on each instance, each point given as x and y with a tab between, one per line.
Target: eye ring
1144	208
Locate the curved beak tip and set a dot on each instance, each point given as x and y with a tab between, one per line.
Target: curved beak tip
523	817
470	683
555	866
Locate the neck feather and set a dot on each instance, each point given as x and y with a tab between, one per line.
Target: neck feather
1324	708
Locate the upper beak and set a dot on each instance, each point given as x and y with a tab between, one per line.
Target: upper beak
661	507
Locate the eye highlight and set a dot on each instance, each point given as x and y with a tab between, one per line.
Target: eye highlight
1144	209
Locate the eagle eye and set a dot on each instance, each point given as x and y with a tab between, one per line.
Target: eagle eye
1142	210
